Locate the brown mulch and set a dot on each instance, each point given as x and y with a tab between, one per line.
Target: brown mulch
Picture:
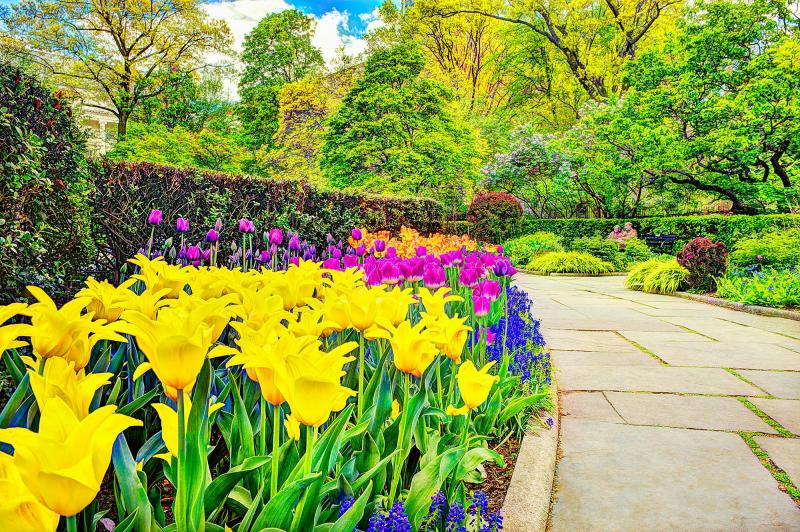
498	478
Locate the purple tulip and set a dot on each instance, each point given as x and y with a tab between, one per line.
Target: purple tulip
308	255
182	252
361	250
155	217
332	264
500	250
212	236
263	256
390	273
391	252
356	234
488	288
350	261
502	267
468	277
434	276
193	253
207	254
490	336
246	226
374	277
218	225
295	261
380	246
275	237
294	243
421	251
481	305
182	225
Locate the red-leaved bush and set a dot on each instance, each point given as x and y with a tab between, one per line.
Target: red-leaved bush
706	260
493	215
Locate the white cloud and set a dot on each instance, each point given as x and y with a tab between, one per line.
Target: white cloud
243	15
372	20
332	33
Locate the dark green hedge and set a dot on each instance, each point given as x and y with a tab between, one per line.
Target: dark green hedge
126	192
725	228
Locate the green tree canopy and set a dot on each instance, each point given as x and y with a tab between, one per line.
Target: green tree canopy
397	132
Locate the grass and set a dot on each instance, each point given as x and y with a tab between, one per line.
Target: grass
569	262
656	276
777	473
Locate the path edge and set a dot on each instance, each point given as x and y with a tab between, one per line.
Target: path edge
733	305
526	507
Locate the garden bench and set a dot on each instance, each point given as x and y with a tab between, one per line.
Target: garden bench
660	241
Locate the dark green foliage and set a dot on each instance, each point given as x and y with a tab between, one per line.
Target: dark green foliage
706	260
769	288
44	229
726	228
127	192
777	249
602	248
396	132
493	215
521	250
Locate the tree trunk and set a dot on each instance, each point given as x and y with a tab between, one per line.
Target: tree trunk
122	125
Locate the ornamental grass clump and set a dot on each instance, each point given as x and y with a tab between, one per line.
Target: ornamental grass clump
657	276
521	250
570	262
291	399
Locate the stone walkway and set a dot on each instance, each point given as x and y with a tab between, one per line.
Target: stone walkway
667	405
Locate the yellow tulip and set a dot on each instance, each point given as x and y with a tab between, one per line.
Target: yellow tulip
334	308
395	409
64	463
216	312
104	298
9	336
311	322
176	343
339	283
60	380
65	332
434	302
292	427
295	285
169	424
311	382
393	305
362	307
474	386
412	346
156	275
148	302
450	334
19	509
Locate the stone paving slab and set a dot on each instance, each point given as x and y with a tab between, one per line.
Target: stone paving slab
722	329
707	381
602	358
724	354
784	411
648	339
623	477
616	324
587	341
686	411
781	384
785	452
588	406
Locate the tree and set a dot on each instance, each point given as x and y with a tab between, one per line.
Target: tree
277	51
715	110
111	51
396	132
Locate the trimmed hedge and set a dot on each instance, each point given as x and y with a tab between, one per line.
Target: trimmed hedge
126	192
724	228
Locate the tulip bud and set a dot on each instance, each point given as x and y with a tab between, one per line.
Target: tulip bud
275	237
246	226
356	234
155	217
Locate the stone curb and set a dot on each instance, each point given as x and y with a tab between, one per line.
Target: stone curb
733	305
527	504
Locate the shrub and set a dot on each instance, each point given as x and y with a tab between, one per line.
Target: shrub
635	251
126	192
44	224
769	288
727	229
493	216
774	250
705	260
602	248
522	249
569	262
657	276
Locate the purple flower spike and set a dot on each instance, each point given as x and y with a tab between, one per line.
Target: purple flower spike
155	217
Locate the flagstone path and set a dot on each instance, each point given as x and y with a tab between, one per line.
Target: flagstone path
665	403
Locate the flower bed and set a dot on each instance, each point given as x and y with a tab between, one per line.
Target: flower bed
250	398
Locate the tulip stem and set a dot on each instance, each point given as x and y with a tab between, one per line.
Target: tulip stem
505	315
311	434
439	381
399	457
262	436
277	423
359	399
72	523
180	482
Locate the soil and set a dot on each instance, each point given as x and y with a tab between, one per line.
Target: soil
498	478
